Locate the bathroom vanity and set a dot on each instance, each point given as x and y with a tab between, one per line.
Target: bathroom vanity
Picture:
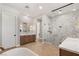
69	47
27	33
27	38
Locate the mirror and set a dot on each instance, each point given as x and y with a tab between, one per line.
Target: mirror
25	27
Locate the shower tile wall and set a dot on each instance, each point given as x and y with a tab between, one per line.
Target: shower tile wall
61	26
46	28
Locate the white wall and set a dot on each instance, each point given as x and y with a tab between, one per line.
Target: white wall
17	31
38	30
15	13
0	28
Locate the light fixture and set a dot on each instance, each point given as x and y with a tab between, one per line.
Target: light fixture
31	27
20	25
74	9
40	7
59	12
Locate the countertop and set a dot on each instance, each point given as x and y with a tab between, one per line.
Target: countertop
70	44
27	34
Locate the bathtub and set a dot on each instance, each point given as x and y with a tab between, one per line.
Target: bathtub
19	52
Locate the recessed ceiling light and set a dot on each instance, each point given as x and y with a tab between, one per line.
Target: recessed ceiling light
40	7
74	9
59	12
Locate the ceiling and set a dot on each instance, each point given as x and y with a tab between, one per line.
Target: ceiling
33	10
71	8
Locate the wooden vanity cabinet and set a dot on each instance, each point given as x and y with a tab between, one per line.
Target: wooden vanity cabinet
27	39
67	53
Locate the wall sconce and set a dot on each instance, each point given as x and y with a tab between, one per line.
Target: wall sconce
31	28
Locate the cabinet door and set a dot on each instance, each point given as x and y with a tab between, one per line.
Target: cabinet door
8	29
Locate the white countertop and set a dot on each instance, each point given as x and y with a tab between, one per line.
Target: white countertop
24	33
71	44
